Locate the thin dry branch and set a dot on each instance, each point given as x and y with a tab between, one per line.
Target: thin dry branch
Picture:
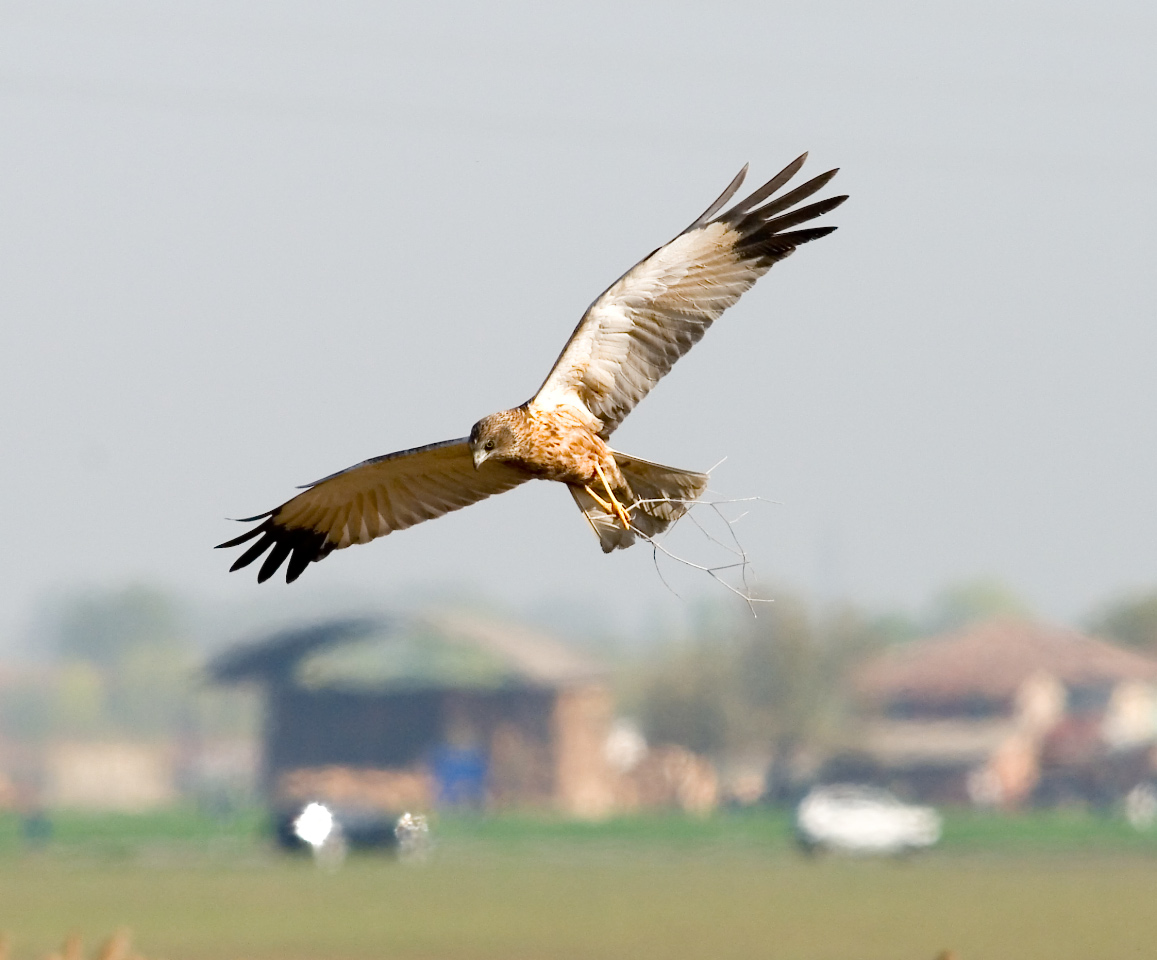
741	562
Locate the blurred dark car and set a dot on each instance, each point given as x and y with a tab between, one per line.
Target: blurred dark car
363	828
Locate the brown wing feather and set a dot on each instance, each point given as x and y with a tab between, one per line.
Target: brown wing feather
631	336
371	500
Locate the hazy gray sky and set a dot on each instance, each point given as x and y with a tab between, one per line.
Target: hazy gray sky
245	245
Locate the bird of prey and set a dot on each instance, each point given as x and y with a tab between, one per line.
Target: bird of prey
625	342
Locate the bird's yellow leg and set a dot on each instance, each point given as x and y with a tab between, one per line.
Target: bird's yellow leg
599	500
614	506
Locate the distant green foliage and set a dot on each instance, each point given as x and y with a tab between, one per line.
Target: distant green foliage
742	683
239	833
110	628
968	601
124	666
1131	619
686	699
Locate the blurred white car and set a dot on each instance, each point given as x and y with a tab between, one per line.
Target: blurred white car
856	819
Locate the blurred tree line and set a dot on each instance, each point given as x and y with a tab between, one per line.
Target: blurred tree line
743	685
118	663
124	663
1131	619
778	683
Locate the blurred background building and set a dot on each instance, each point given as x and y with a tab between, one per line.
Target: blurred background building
446	709
1002	713
417	712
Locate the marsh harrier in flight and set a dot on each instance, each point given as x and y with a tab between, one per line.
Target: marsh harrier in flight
625	342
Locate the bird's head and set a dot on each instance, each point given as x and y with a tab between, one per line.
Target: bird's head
493	437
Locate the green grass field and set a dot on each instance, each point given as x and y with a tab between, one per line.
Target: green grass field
1057	887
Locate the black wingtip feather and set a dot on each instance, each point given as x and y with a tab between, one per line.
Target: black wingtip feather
237	541
275	559
307	546
778	205
260	516
297	564
802	215
717	205
770	187
765	233
254	551
301	546
810	234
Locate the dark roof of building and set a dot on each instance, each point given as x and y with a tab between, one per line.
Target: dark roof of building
277	654
434	649
992	659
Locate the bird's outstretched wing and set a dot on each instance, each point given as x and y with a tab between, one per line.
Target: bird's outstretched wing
652	315
370	500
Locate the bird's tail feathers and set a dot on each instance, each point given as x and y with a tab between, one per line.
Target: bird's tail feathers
661	496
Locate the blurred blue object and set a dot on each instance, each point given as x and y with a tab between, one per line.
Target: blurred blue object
461	774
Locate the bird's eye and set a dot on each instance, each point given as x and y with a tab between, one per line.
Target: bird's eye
489	445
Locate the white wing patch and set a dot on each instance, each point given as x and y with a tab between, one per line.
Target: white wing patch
633	334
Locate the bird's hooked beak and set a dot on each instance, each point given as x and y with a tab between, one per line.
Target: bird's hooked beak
480	457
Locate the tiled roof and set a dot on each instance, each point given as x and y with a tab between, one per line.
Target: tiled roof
991	660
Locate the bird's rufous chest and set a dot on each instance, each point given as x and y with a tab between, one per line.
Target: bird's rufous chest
559	446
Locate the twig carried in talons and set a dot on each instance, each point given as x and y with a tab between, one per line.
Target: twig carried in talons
741	563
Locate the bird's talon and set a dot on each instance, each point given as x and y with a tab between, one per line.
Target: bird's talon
614	506
623	516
